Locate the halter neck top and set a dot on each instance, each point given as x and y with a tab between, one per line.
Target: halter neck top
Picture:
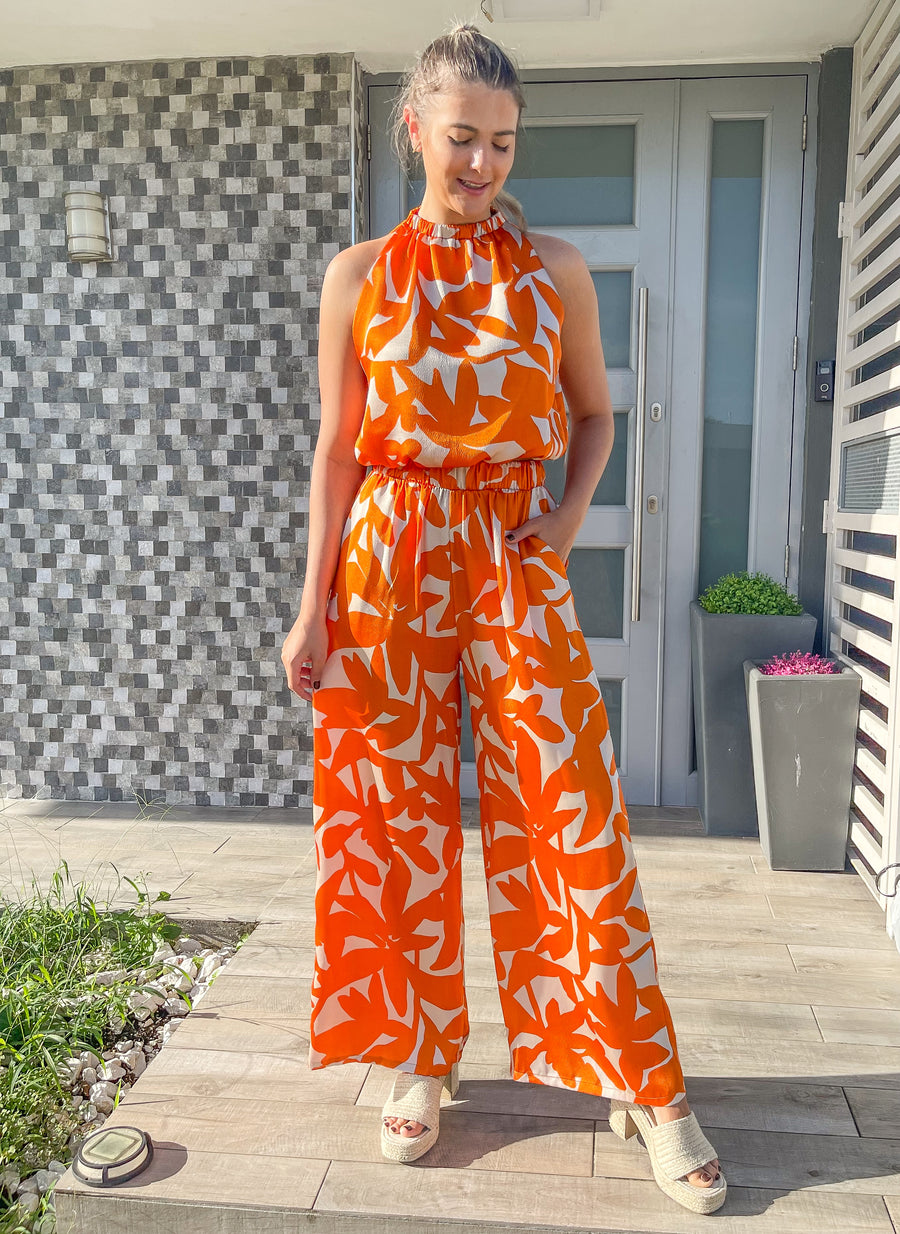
457	329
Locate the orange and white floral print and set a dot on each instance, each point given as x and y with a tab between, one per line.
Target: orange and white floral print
426	587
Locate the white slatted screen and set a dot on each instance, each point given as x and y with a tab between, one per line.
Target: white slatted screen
863	571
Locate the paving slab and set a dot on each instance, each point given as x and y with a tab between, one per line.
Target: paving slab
784	990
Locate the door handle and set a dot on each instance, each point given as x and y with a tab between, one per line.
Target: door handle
640	411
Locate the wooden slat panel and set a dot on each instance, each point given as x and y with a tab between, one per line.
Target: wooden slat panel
884	149
873	726
867	563
882	524
865	640
885	302
867	42
884	341
883	51
874	685
869	805
871	767
863	872
882	383
863	242
864	842
867	601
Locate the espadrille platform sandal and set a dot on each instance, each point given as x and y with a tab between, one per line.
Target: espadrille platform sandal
417	1099
676	1148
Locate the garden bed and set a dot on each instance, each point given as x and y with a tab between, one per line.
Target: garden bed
88	996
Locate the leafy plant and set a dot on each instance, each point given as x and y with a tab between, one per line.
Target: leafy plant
741	592
798	663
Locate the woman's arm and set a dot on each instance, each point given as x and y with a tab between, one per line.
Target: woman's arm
582	374
336	474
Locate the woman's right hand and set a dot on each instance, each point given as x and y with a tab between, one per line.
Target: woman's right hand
303	655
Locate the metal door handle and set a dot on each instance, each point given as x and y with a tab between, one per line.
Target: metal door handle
640	412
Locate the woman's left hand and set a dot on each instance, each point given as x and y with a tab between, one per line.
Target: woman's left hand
555	528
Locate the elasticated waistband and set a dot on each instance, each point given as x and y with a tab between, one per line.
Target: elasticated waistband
509	476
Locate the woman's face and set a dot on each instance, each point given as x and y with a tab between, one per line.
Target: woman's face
467	142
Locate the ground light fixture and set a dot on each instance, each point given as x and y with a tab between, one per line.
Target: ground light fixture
112	1155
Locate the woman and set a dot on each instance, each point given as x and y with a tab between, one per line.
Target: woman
446	350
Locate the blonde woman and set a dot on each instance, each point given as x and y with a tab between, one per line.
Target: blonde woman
449	352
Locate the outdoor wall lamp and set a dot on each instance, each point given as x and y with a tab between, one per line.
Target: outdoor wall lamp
88	234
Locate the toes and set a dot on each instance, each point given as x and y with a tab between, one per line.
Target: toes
403	1127
705	1176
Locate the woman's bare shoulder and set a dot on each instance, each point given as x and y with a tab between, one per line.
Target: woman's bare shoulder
567	269
562	259
350	267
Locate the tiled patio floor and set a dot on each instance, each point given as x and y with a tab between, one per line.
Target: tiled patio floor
784	989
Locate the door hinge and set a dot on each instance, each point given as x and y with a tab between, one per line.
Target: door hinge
787	560
803	138
796	348
827	516
368	141
845	229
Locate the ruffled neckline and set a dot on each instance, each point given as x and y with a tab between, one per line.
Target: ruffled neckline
455	231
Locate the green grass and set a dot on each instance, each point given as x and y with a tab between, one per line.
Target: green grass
50	1008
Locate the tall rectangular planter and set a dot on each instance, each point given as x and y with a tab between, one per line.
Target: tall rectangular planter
720	643
803	743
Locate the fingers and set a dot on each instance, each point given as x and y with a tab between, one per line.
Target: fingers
300	684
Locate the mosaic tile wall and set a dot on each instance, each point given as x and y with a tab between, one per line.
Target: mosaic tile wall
159	415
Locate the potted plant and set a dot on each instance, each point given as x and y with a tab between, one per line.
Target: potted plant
803	711
740	617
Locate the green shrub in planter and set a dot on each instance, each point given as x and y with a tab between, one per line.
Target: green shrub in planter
741	592
803	712
740	617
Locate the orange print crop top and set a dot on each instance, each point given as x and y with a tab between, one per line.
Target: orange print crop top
458	330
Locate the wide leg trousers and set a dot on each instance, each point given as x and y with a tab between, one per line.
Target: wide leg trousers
425	582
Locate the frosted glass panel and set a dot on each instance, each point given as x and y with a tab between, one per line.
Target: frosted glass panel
569	174
611	489
735	195
613	289
612	698
597	579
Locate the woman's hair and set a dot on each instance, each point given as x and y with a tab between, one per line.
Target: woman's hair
464	54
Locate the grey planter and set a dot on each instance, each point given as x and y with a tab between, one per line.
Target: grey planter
720	643
803	739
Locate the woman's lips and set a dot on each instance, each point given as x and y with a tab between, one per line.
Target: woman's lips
471	188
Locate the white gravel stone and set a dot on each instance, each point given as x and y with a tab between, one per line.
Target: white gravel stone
176	1006
10	1177
112	1071
135	1061
185	945
89	1059
88	1075
30	1202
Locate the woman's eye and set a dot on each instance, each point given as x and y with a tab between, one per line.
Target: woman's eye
502	149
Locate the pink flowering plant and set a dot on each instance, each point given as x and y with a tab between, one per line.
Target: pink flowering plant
798	663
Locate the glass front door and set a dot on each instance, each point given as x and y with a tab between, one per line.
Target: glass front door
606	166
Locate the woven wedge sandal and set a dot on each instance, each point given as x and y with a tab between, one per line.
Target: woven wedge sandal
676	1148
417	1098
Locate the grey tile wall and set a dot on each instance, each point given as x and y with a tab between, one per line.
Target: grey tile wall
159	415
